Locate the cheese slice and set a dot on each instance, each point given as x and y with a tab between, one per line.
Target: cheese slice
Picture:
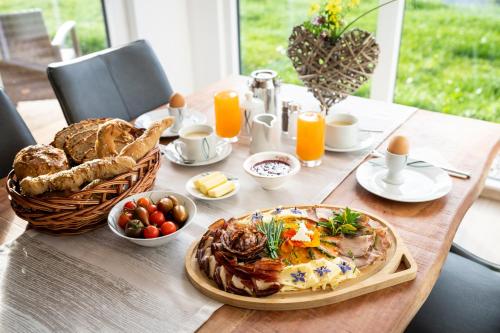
221	190
201	180
211	183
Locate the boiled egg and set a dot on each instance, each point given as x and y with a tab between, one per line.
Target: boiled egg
399	145
177	101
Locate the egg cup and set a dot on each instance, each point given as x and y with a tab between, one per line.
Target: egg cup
395	165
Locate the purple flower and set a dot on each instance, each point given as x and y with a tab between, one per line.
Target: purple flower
322	270
318	20
277	211
295	210
299	276
256	217
344	267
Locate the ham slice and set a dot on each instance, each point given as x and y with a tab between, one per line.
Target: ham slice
355	246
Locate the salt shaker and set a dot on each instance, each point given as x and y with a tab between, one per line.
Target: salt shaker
293	115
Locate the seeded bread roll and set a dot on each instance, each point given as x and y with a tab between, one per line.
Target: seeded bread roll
37	160
75	177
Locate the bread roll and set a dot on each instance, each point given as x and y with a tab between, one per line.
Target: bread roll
148	140
75	177
38	160
108	133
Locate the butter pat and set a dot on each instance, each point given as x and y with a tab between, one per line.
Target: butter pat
221	190
211	183
199	181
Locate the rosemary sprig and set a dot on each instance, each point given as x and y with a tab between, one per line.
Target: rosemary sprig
345	222
272	230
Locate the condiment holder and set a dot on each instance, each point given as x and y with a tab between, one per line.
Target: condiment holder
279	169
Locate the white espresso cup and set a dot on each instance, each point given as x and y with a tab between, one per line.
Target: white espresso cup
196	143
341	131
395	164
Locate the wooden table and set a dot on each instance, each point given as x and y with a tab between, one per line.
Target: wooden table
427	229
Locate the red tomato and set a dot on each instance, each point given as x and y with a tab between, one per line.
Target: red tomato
151	232
144	202
168	228
123	219
130	205
151	208
157	218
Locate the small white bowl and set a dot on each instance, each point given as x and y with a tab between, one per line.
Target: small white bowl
114	214
271	182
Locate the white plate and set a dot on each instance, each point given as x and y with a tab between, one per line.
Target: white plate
365	141
223	150
145	120
197	194
422	183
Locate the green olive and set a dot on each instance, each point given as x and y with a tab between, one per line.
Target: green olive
165	205
180	214
134	228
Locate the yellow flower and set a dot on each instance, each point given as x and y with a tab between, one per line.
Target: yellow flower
334	7
314	8
353	3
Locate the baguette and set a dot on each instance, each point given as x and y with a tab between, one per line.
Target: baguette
73	178
147	140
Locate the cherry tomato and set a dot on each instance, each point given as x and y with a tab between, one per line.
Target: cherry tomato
151	232
130	205
144	202
151	208
123	219
157	218
168	228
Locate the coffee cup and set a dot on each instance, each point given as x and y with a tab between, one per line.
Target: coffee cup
395	164
196	143
341	131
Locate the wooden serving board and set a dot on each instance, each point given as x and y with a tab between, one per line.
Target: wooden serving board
374	277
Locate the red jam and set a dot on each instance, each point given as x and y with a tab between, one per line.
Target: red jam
271	168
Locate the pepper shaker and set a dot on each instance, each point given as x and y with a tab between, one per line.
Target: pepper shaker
284	116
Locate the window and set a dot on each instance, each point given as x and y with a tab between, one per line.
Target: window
35	33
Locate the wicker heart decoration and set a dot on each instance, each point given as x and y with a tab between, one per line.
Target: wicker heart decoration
333	70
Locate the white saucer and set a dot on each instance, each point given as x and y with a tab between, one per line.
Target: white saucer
193	118
197	194
422	183
223	150
365	141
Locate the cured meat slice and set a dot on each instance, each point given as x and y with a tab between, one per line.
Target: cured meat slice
355	246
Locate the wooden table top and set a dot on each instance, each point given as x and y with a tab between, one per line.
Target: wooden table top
426	228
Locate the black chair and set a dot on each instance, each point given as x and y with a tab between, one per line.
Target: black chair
121	82
466	298
14	134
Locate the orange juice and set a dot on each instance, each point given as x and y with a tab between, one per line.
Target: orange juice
310	137
227	114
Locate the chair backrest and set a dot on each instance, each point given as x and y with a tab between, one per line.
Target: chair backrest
14	134
120	82
24	39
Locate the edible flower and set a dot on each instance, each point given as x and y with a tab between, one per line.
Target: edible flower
256	217
344	267
322	270
277	211
295	210
299	276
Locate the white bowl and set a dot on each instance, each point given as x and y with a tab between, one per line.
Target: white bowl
271	182
114	214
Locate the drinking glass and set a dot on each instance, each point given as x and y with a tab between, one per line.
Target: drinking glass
227	115
310	138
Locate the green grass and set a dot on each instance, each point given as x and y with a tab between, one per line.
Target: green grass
87	14
449	56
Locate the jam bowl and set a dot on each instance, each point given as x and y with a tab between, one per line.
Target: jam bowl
271	169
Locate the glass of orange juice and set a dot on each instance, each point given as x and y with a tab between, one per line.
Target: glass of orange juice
227	115
310	138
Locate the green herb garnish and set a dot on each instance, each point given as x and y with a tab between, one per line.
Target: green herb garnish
345	222
272	230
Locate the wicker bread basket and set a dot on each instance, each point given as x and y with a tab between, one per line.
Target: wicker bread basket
85	210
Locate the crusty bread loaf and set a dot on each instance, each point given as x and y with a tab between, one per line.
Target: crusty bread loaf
62	135
37	160
148	140
111	131
75	177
